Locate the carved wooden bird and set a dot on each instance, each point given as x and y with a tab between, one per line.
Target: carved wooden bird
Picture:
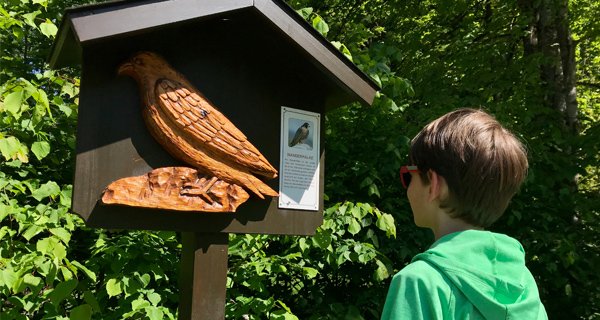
301	135
191	129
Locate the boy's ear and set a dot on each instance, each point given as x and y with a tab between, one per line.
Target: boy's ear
437	186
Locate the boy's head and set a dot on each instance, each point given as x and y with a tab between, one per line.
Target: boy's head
482	163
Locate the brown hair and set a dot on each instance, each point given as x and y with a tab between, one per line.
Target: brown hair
483	163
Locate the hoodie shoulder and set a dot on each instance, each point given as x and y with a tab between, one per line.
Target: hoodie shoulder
421	291
489	270
418	291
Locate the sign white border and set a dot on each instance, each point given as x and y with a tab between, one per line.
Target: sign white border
299	159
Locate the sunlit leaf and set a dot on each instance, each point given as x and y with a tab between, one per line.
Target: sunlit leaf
62	234
12	103
154	298
386	223
154	313
29	18
40	149
11	148
113	287
32	231
49	189
354	227
144	279
8	277
85	270
48	28
320	25
381	273
305	12
139	303
310	272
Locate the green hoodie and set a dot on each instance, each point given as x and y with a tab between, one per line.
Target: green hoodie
466	275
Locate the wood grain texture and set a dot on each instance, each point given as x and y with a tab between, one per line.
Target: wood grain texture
176	188
192	129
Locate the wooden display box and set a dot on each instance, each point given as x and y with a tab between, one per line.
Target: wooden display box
248	57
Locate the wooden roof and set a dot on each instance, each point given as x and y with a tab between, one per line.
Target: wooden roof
120	19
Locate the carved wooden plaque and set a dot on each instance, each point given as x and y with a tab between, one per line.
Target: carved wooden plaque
193	130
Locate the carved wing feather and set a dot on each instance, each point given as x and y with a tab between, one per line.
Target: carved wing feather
204	123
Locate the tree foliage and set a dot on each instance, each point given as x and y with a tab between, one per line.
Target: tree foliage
428	56
474	54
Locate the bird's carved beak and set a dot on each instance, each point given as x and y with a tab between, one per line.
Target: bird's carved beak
125	68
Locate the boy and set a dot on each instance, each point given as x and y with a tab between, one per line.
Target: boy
465	169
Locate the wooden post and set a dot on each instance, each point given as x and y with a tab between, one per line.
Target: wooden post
203	277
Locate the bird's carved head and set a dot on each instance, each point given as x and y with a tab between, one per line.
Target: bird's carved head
146	65
306	125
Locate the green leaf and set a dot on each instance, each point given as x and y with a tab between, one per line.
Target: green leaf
113	287
143	279
4	211
62	234
320	25
356	212
90	299
48	29
42	102
354	227
41	149
322	239
69	89
32	231
59	251
32	281
154	313
65	109
44	3
373	190
139	303
8	277
82	312
305	12
301	243
386	223
62	291
282	315
13	103
154	298
343	49
366	182
89	273
29	18
381	273
66	273
49	189
19	285
10	147
310	272
65	195
375	78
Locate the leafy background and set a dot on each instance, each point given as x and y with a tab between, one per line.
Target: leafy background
429	57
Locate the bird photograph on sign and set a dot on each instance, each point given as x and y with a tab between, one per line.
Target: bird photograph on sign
224	165
300	138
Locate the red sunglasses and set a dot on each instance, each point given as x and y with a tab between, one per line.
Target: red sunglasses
405	175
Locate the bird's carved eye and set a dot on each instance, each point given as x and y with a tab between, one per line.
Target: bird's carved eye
138	61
